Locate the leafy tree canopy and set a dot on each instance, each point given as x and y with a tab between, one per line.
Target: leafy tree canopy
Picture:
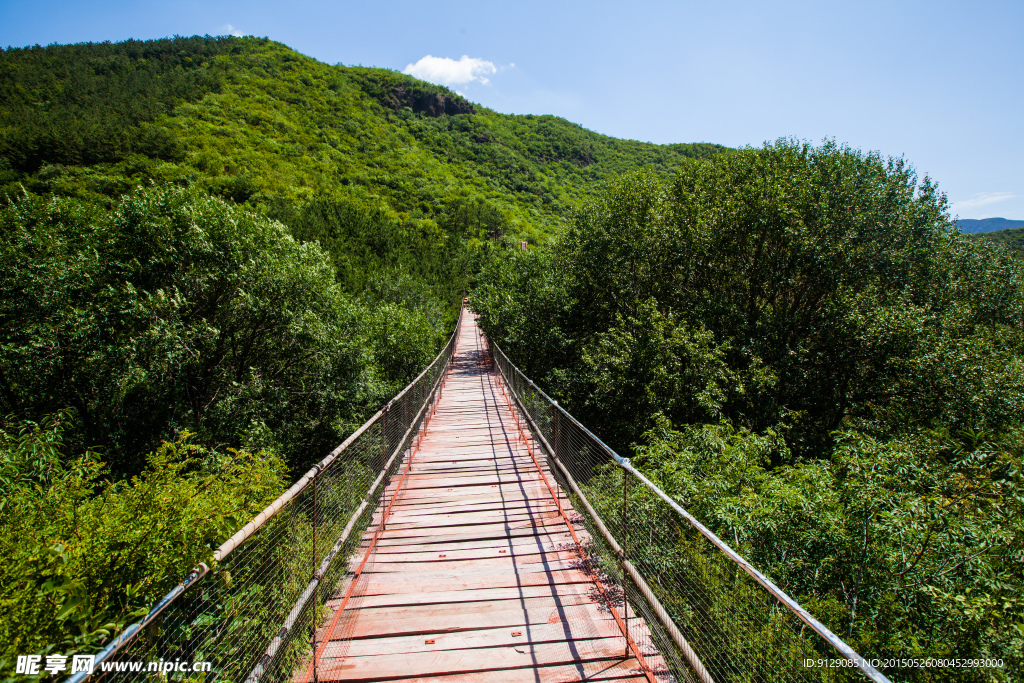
792	286
801	348
1011	239
179	311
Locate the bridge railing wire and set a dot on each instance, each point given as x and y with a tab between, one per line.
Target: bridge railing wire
253	613
694	607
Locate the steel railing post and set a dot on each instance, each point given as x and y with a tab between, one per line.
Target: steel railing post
557	420
384	437
316	521
622	555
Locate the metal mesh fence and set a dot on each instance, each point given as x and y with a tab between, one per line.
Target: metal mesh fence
696	609
253	616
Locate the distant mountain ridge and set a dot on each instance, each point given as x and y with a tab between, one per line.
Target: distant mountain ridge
972	226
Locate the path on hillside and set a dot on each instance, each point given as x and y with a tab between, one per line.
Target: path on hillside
477	576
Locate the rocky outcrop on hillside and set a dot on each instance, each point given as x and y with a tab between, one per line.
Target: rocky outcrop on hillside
396	91
428	103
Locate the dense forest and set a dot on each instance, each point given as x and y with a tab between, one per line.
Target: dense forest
797	344
1012	239
256	122
219	257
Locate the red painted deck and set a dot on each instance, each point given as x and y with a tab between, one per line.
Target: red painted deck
477	576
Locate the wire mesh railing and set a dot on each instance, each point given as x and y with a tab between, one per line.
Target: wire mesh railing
706	611
252	615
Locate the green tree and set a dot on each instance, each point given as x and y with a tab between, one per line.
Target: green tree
86	557
475	219
830	284
802	350
178	311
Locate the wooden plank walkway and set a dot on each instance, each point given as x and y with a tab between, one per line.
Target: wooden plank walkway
477	576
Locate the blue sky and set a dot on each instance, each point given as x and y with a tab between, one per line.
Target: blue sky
939	83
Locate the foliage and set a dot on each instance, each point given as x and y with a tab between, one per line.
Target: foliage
817	364
180	311
84	556
1013	239
367	241
92	103
30	454
791	286
908	547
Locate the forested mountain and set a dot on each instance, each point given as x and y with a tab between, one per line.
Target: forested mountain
260	124
218	257
798	345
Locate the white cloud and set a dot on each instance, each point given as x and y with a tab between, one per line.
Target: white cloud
228	28
445	71
981	199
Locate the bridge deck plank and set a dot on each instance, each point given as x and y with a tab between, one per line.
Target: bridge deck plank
476	576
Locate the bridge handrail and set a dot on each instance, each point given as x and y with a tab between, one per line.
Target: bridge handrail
393	435
517	381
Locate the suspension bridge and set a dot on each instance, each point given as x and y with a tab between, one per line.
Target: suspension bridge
472	530
477	565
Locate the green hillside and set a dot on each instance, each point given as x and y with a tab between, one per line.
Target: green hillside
258	123
400	188
1011	239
